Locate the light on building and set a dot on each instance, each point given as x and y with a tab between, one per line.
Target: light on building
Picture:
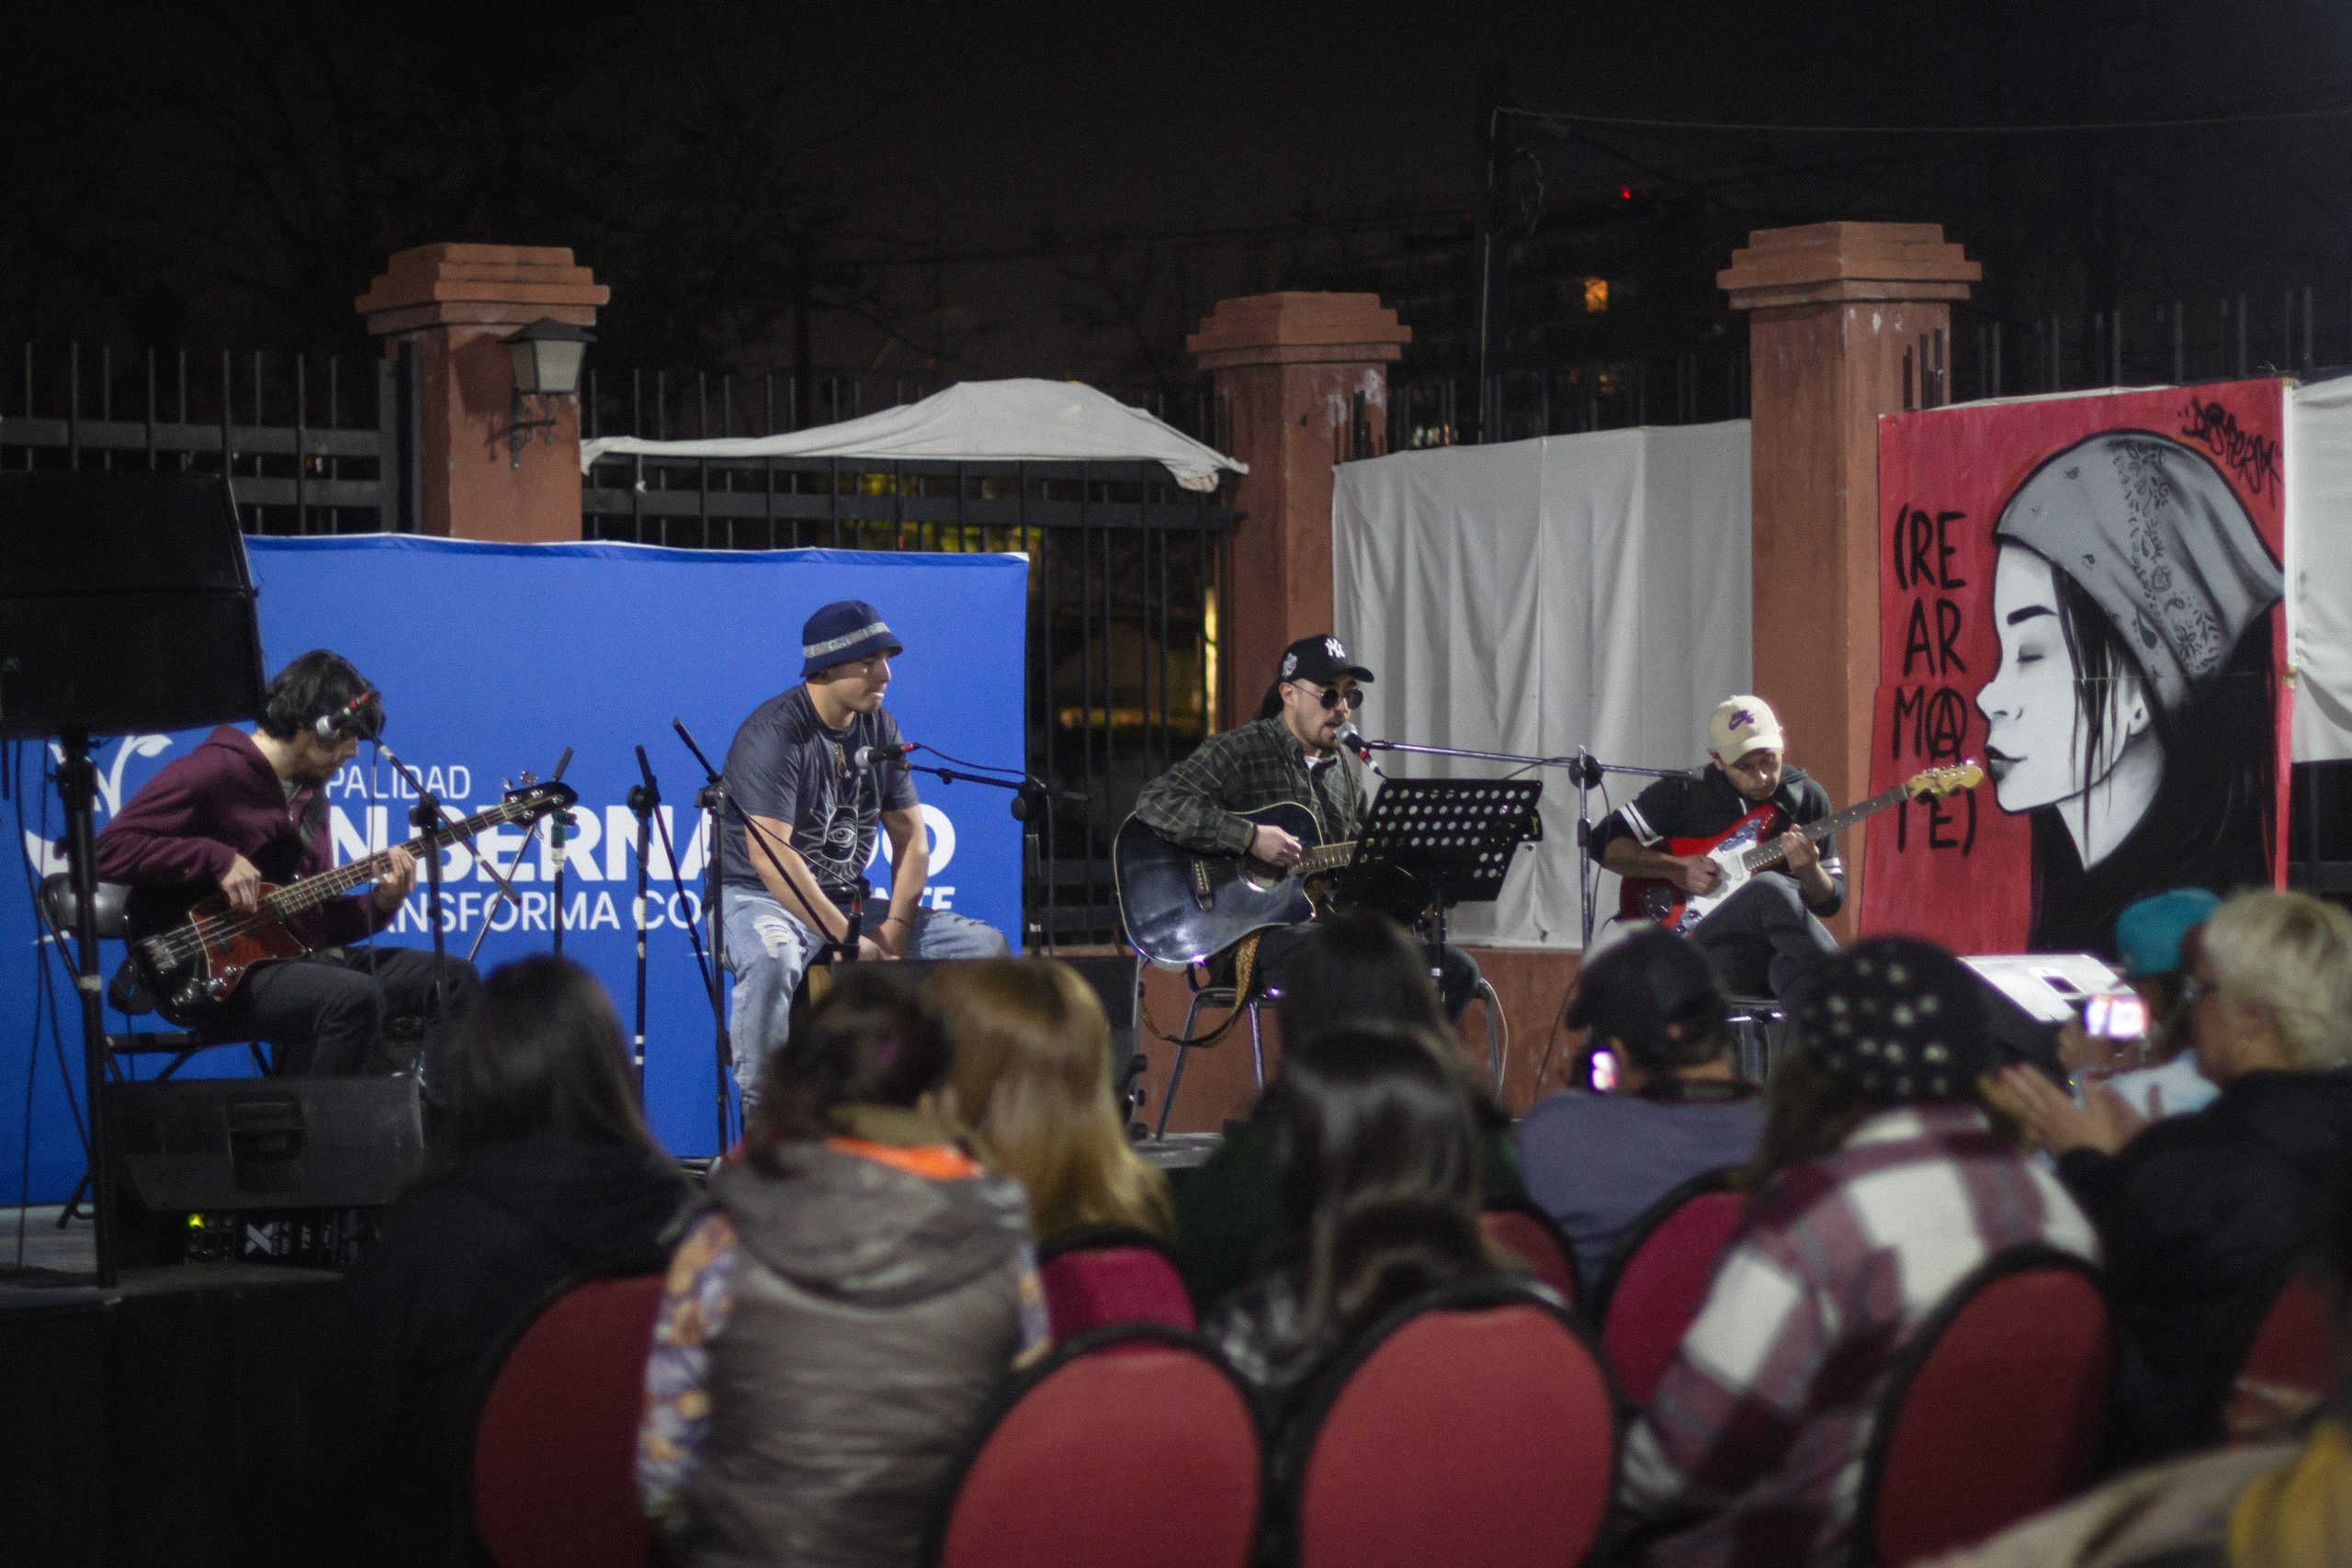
1596	295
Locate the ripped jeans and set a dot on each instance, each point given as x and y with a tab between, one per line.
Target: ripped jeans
768	949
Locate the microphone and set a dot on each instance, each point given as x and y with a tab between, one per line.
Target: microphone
1352	739
865	757
330	724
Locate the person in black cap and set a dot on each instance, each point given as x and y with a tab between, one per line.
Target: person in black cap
793	769
1596	1162
1291	756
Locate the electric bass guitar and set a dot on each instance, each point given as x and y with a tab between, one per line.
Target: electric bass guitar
1179	907
1751	845
193	960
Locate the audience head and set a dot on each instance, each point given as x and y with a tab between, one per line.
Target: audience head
1356	968
2272	986
1895	1021
1031	1078
866	1042
2157	940
1654	997
1375	1152
539	1054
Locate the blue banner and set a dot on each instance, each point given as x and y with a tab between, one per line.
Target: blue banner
495	658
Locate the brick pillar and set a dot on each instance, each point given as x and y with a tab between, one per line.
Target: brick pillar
454	303
1832	306
1287	369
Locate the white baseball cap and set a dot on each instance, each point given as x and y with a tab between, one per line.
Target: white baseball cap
1741	725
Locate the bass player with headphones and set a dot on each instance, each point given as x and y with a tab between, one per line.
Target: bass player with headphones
244	812
1215	802
1766	934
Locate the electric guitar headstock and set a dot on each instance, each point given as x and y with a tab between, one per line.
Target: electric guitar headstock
537	799
1944	780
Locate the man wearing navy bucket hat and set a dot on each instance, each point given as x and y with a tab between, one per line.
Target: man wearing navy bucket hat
814	767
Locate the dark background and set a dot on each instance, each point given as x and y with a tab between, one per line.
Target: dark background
874	189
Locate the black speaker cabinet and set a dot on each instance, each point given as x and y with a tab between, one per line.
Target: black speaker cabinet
212	1145
125	604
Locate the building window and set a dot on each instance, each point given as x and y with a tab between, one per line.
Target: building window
1596	295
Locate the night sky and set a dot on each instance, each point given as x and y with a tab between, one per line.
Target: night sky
991	193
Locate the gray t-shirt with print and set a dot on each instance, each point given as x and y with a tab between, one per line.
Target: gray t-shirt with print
786	764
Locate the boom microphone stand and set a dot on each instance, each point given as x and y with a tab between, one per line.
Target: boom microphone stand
644	798
712	967
430	815
531	832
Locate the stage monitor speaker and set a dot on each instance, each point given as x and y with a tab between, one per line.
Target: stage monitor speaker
198	1146
125	604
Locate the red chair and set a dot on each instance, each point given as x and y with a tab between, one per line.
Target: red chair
555	1449
1475	1427
1098	1275
1076	1462
2295	1344
1650	1295
1534	1238
1995	1409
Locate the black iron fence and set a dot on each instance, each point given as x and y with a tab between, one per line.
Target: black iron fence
311	444
1692	387
1127	576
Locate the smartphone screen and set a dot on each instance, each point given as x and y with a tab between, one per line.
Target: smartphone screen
1600	1071
2122	1017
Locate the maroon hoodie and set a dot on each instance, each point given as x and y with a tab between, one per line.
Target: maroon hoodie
180	832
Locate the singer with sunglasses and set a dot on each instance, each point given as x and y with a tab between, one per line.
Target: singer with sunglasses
243	809
1292	754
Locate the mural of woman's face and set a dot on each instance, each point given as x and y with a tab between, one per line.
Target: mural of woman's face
2038	741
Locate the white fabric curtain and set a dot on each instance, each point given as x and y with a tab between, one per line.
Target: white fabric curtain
1540	595
2319	567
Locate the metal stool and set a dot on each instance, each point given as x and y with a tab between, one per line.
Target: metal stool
1215	997
1750	1021
1498	1033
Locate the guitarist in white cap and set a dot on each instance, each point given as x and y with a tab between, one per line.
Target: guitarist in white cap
1769	933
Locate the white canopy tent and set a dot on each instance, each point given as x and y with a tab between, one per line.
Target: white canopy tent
1022	419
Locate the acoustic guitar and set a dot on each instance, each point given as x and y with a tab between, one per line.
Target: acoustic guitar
1179	907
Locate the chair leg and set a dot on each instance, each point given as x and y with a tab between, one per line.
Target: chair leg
1176	1072
1257	1048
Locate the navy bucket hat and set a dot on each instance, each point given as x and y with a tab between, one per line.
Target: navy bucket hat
842	633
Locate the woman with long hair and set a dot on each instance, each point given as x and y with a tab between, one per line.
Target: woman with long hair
1880	1183
1032	1081
857	1289
2131	713
1377	1158
545	1174
1353	970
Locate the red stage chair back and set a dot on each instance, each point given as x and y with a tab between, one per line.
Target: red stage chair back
1099	1275
555	1449
1475	1427
1134	1445
1660	1279
2295	1344
1995	1412
1534	1238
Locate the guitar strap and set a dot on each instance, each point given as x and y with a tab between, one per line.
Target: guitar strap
1245	986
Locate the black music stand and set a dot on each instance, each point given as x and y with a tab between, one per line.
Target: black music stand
1444	841
125	605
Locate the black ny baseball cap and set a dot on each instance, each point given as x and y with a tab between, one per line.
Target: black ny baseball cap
1321	659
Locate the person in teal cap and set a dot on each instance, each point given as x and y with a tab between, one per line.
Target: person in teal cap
2156	937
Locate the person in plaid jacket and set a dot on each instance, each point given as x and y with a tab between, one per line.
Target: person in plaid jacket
1881	1184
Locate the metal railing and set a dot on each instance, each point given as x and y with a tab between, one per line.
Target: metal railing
1128	575
311	444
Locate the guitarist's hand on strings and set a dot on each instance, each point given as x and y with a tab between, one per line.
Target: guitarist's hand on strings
241	884
1695	873
400	875
1276	848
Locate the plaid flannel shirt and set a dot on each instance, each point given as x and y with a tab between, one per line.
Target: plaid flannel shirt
1756	1432
1197	803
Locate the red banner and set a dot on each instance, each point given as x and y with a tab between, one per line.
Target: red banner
2085	595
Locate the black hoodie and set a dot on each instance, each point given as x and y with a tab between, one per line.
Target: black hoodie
464	1259
2201	1217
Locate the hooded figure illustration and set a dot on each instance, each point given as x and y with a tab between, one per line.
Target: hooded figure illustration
2132	711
